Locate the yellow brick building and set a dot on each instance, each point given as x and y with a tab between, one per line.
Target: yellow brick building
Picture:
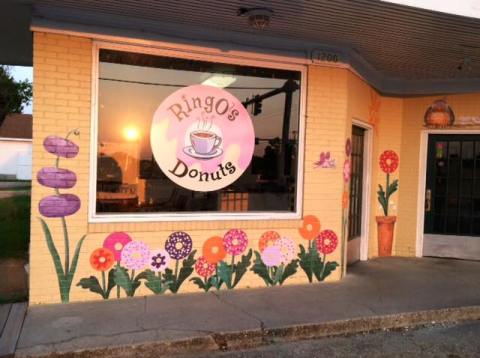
332	98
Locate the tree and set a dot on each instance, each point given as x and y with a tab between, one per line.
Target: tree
14	95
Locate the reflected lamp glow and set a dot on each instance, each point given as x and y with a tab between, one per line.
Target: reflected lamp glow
219	81
131	134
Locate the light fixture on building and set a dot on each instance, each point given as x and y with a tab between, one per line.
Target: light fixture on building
220	81
258	17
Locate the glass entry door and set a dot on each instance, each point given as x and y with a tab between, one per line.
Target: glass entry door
452	197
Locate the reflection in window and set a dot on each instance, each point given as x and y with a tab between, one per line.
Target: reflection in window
132	86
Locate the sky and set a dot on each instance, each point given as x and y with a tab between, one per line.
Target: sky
21	73
470	8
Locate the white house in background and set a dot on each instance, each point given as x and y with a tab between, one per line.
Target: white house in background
16	146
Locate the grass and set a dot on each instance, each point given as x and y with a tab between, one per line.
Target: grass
14	226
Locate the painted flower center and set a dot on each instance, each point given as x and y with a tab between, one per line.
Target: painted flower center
136	255
178	245
235	242
102	259
215	250
326	241
309	227
118	246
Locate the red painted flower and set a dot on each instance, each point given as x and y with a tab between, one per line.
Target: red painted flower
204	268
389	161
327	242
102	259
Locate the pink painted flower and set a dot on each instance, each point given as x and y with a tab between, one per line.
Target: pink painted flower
159	260
235	242
115	242
135	255
346	170
327	242
204	268
287	249
271	256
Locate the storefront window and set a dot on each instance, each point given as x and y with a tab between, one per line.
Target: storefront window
131	86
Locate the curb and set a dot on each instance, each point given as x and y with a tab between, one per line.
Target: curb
258	337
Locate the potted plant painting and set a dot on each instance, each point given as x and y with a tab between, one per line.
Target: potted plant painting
386	223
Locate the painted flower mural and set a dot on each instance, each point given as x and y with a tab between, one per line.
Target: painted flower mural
179	247
388	163
310	228
276	262
101	260
235	242
60	205
267	239
314	265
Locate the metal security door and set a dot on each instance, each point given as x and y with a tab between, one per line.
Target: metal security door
452	197
356	190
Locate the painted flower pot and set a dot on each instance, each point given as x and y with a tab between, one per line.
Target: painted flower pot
57	178
60	146
385	228
57	206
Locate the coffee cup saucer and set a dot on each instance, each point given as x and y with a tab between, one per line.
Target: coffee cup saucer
213	154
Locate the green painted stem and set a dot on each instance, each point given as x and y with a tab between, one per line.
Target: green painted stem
104	287
323	267
67	245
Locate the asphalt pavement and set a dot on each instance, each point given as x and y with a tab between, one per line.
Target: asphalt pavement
440	341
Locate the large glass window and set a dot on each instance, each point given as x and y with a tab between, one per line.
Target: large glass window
131	86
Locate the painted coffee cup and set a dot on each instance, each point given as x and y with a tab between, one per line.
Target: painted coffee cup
204	142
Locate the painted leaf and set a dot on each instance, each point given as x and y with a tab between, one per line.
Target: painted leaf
261	269
123	280
277	274
184	272
329	268
91	283
241	267
204	285
290	270
60	146
111	282
56	206
155	283
225	273
57	178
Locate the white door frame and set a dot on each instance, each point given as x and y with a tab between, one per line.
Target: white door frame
422	179
366	185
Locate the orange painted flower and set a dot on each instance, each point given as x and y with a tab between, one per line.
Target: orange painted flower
345	199
267	239
213	250
102	259
310	228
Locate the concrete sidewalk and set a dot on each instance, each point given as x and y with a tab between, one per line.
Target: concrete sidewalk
381	293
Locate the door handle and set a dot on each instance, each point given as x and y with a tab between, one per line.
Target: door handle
428	200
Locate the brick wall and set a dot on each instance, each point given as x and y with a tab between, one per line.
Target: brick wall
62	102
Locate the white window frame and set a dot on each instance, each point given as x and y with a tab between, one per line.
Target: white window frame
204	54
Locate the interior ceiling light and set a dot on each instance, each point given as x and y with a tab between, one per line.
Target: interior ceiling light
258	17
219	81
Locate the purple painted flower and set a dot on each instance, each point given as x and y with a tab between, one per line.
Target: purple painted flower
348	147
60	146
235	242
57	206
159	260
271	256
287	249
115	242
135	255
56	178
178	245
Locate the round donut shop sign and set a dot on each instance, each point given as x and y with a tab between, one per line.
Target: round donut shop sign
202	138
